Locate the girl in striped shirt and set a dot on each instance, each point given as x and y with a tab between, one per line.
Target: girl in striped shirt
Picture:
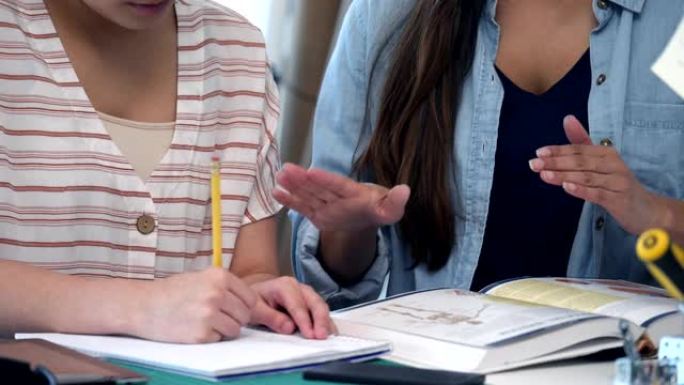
110	112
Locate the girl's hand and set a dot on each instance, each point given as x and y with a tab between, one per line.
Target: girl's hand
598	174
333	202
200	307
285	305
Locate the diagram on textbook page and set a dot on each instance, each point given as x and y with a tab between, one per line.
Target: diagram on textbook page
457	316
434	316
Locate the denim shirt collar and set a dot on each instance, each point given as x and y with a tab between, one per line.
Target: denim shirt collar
633	5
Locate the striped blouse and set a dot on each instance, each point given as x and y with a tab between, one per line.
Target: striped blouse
71	202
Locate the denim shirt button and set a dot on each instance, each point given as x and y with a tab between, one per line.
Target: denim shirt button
601	79
602	4
605	142
599	223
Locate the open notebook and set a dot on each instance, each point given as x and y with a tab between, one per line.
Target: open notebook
254	352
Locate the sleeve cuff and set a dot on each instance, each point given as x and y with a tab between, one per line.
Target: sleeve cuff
309	270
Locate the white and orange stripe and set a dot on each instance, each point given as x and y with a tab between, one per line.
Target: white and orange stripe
69	200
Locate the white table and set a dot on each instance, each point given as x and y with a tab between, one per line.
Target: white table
565	373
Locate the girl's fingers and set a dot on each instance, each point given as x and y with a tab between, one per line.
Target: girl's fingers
322	192
594	195
576	163
285	293
608	182
391	209
273	319
339	185
320	313
574	131
296	184
225	325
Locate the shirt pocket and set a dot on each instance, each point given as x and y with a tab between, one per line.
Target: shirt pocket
653	146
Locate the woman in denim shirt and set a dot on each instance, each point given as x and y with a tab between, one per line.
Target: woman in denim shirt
424	97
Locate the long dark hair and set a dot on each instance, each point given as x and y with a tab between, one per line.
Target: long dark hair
414	137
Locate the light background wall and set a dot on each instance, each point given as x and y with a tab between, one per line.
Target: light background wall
256	11
299	37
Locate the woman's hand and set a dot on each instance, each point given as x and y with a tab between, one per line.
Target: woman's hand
199	307
333	202
285	305
346	212
598	174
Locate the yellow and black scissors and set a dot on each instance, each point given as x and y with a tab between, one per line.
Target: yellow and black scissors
664	259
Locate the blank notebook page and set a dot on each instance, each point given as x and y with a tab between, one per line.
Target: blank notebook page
254	351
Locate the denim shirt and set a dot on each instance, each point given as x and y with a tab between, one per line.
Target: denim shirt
627	105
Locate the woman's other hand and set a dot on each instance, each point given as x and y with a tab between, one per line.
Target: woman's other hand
285	305
336	203
597	173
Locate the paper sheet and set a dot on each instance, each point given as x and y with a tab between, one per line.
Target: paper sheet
670	65
254	351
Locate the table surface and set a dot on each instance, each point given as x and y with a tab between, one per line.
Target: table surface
565	373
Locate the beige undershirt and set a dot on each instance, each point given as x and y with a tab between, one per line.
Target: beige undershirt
143	144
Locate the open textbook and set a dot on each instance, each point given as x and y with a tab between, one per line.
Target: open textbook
511	324
255	352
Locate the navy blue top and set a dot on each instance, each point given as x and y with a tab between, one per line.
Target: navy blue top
531	225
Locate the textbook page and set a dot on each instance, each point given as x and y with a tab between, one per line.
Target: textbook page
254	352
635	302
461	317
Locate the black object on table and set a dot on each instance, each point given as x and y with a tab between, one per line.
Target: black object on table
373	374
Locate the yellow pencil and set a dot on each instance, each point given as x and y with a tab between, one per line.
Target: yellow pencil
217	259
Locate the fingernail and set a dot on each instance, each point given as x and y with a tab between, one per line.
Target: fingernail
569	186
544	151
536	164
548	174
